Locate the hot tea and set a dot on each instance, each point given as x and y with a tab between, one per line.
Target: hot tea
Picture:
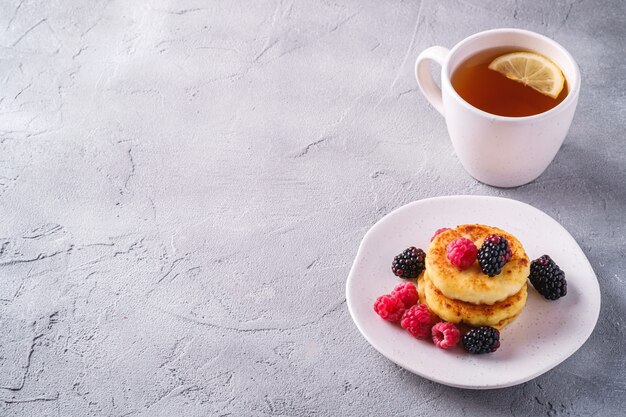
494	93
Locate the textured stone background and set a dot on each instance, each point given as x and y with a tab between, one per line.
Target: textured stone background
184	185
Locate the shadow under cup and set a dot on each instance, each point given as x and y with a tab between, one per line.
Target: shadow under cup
507	151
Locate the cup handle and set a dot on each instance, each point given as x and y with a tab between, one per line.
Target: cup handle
425	81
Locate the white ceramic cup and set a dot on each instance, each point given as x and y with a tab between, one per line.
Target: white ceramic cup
497	150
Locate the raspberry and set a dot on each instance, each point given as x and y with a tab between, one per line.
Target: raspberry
461	252
547	278
445	335
484	339
417	321
407	293
409	264
494	254
443	229
389	307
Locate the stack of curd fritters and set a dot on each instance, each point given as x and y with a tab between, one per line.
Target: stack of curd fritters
469	295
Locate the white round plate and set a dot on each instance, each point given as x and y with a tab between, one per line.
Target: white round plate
546	332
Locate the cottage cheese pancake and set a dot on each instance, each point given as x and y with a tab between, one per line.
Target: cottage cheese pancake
472	285
495	315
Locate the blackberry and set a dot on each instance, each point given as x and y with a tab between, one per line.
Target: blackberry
409	264
484	339
494	254
547	278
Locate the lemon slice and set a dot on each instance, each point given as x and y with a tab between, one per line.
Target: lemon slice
533	70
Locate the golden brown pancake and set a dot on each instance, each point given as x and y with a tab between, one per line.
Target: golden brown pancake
472	285
495	315
419	283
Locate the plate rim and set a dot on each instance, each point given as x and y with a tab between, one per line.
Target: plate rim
406	365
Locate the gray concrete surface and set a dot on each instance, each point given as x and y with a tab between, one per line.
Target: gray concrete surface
184	185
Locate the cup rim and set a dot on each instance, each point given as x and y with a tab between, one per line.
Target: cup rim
572	95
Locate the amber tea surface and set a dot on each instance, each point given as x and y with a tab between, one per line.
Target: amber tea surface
492	92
